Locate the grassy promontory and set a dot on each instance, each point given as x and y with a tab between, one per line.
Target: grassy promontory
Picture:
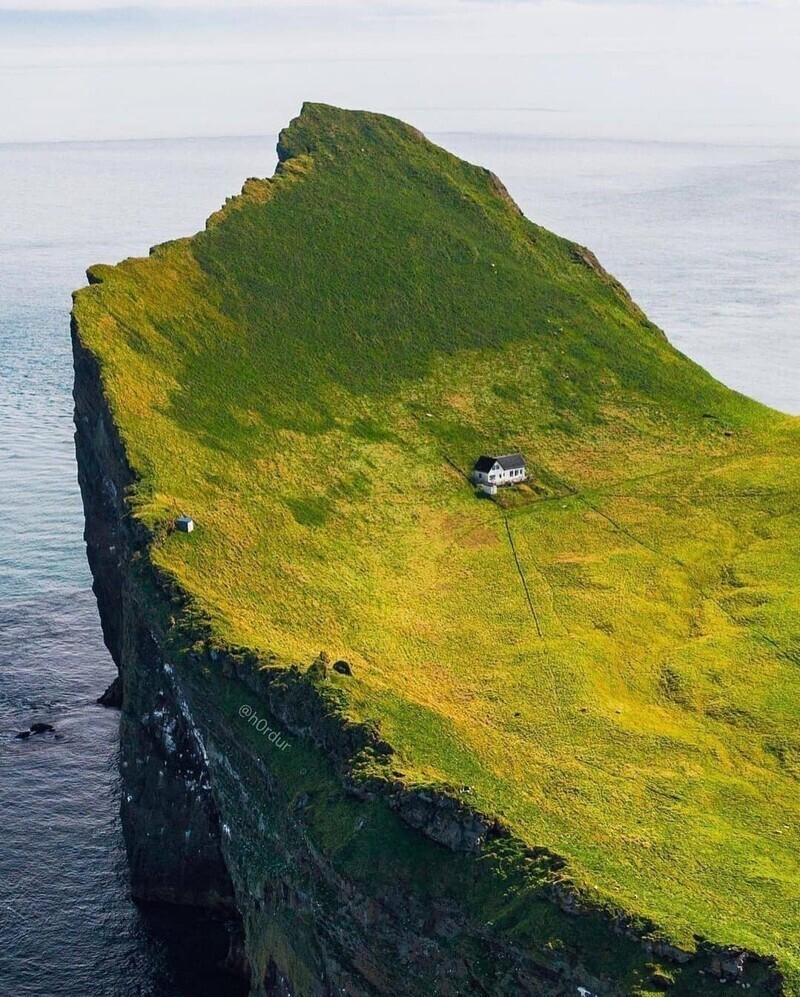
307	376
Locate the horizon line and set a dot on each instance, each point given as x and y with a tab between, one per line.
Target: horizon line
273	136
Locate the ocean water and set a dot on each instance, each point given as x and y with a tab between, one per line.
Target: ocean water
67	925
705	238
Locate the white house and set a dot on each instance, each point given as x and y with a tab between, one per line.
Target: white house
508	469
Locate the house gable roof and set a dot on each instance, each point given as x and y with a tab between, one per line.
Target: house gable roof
508	462
511	461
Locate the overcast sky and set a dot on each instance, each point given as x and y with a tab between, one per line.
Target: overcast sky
696	70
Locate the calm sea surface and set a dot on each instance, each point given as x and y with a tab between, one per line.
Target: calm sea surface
706	238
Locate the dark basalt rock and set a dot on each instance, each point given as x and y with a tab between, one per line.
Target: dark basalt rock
40	728
318	670
112	697
37	728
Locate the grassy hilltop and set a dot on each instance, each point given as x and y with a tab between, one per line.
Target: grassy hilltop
307	376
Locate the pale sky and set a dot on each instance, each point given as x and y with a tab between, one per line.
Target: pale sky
683	70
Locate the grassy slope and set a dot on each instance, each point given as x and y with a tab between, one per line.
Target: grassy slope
302	376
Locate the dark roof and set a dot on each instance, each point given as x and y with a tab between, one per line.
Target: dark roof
508	462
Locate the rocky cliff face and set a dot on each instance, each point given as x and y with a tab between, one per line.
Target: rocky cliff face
331	884
170	822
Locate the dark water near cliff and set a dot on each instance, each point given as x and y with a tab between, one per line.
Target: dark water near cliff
706	239
67	926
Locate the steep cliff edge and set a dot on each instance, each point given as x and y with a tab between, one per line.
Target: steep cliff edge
345	832
188	783
207	823
170	823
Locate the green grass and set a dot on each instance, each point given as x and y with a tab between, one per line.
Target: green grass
369	846
305	376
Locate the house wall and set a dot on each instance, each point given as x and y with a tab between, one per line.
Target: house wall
498	477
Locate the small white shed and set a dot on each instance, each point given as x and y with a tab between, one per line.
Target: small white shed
184	523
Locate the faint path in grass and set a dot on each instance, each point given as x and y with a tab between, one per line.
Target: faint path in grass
632	536
573	492
522	577
551	675
460	470
698	587
540	571
570	492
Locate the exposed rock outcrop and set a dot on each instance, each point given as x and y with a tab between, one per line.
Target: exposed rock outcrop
112	697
